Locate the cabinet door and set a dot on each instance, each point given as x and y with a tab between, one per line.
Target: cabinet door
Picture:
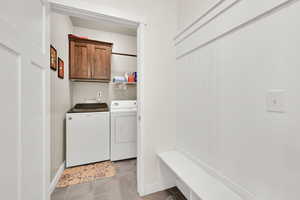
80	59
102	62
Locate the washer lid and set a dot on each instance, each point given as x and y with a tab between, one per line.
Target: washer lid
89	107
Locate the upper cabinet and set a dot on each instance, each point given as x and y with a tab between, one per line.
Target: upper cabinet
90	60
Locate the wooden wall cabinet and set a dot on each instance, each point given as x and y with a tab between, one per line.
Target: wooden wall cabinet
90	60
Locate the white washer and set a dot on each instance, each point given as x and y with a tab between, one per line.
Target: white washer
87	138
123	130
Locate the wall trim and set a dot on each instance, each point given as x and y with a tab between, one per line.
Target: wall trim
242	192
140	110
252	20
18	44
209	10
202	25
56	178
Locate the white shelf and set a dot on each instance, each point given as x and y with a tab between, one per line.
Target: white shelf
123	83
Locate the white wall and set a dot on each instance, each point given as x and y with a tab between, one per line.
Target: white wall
159	82
225	72
61	26
24	84
122	43
119	65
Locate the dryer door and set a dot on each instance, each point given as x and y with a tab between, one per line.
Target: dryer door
123	135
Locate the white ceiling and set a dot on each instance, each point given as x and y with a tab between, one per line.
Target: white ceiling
104	25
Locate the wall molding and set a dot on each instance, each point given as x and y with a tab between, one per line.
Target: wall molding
209	10
195	40
218	13
19	45
242	192
56	178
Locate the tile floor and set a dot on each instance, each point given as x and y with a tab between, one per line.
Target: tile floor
123	186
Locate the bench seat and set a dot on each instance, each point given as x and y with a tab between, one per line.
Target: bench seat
199	182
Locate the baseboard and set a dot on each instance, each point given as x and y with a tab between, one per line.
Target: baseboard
56	178
157	187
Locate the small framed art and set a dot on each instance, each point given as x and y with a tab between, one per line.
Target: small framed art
53	58
61	68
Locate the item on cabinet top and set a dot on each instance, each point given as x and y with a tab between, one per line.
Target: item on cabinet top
126	76
119	79
80	37
135	76
131	78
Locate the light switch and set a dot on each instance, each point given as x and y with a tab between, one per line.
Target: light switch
276	101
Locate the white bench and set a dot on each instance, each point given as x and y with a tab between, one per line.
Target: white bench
199	184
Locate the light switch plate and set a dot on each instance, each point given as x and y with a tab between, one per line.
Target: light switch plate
276	101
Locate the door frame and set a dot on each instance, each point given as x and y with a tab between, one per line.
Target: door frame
94	12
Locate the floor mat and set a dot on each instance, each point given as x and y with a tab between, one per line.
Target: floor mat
86	173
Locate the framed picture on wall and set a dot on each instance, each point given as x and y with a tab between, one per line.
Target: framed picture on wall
53	58
61	68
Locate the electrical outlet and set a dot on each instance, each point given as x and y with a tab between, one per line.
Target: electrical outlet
276	101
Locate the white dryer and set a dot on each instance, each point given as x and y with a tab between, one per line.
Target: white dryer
123	130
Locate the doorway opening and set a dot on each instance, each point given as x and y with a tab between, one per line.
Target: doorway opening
124	88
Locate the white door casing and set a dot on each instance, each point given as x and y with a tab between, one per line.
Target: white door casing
24	86
140	108
85	10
